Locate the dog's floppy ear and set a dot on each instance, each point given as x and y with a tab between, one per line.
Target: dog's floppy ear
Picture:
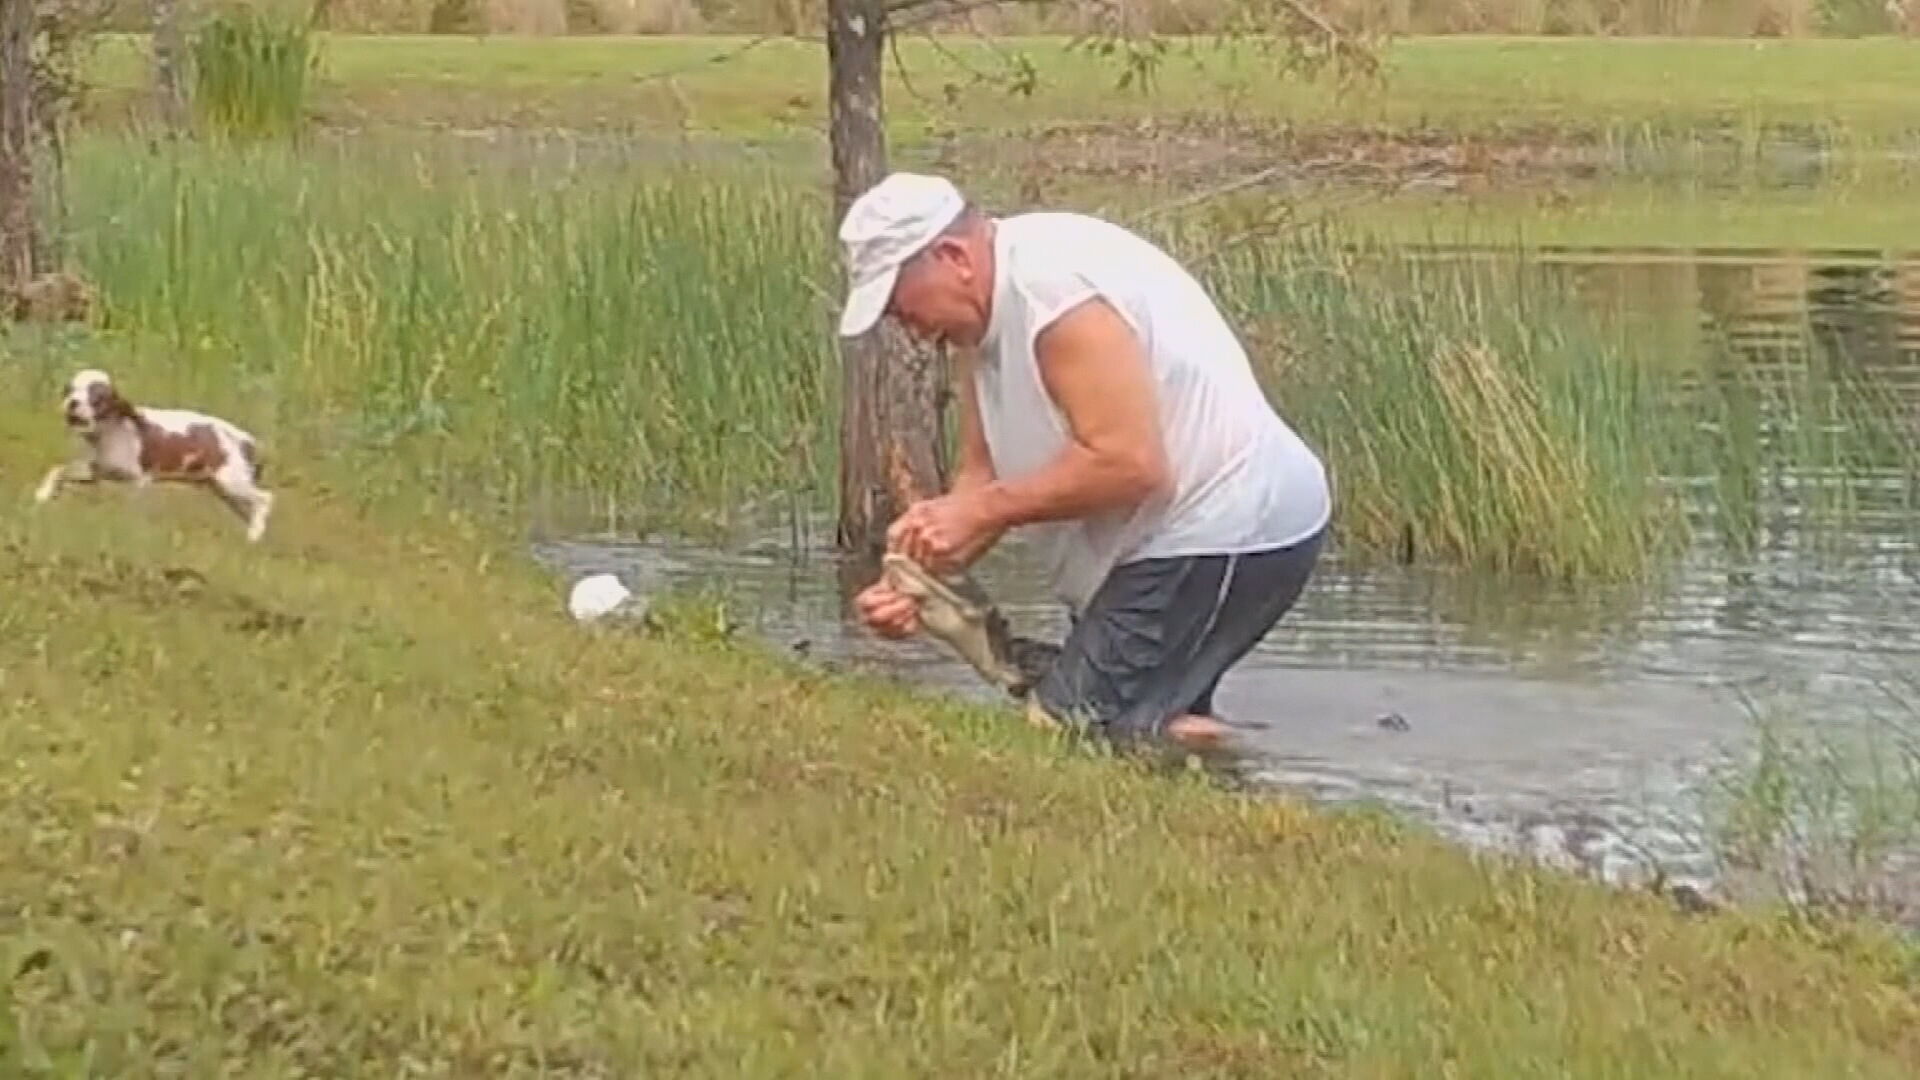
118	407
107	402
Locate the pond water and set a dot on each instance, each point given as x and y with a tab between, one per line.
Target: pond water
1583	728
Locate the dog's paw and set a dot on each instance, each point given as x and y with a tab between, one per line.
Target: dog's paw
257	521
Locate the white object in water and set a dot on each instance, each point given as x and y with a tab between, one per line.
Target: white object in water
596	596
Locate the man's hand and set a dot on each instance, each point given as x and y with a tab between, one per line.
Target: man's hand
947	533
887	612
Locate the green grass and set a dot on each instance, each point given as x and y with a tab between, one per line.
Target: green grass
362	799
1621	89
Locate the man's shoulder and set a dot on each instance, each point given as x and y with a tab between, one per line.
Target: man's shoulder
1041	226
1051	252
1050	243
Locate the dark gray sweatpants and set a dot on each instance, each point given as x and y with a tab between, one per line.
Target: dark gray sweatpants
1158	634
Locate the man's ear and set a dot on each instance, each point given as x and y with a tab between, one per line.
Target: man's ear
954	250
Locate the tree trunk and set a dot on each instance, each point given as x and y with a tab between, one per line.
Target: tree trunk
890	449
16	142
169	87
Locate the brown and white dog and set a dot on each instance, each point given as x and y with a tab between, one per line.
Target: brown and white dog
140	446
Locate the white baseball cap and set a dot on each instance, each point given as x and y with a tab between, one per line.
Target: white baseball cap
885	226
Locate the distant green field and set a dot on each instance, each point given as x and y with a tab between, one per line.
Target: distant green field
1866	87
1686	106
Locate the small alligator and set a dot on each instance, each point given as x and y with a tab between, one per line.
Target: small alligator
957	611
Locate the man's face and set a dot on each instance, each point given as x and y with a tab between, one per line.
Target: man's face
937	295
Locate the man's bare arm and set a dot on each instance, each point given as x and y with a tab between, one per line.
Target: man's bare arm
1095	369
974	470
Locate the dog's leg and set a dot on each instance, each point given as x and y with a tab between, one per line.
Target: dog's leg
253	503
50	486
71	472
257	519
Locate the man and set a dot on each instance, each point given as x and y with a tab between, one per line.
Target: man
1107	408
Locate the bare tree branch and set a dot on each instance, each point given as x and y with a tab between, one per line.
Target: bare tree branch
1021	76
1311	17
956	7
905	15
1253	179
717	58
1342	47
900	66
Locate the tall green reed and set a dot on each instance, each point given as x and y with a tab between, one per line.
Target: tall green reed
1824	814
1804	443
636	339
1488	414
253	70
1471	415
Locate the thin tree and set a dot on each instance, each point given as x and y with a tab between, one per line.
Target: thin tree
169	82
17	239
890	442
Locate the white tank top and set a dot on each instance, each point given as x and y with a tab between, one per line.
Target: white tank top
1243	481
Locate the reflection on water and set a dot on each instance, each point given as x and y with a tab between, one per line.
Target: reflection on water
1574	726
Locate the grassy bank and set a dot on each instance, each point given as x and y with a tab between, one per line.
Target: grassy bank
361	797
1859	91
